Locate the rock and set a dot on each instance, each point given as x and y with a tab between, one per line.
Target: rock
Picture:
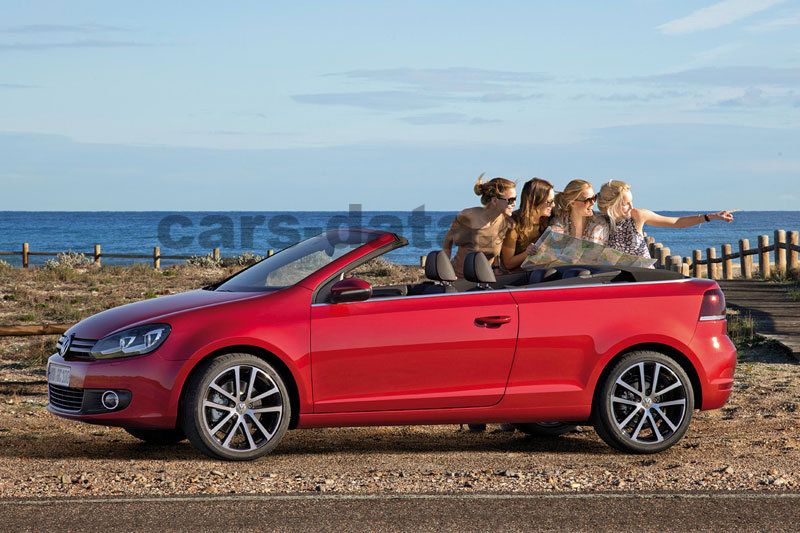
66	479
217	473
728	470
574	485
779	482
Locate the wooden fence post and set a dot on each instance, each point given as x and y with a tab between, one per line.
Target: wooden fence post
763	257
745	259
97	254
25	255
215	254
655	251
663	253
270	252
711	268
156	257
697	256
675	262
794	258
780	251
686	267
727	262
422	260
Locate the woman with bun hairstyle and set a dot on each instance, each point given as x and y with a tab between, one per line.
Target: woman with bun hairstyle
626	222
574	213
530	220
482	229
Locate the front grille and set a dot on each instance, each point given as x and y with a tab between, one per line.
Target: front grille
65	398
78	348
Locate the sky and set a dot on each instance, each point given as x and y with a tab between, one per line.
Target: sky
317	105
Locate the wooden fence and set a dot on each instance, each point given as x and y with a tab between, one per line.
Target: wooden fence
784	249
97	255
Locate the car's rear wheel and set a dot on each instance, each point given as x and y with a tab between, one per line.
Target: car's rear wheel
546	429
645	403
236	408
160	437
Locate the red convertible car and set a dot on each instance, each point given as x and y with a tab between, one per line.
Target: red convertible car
295	342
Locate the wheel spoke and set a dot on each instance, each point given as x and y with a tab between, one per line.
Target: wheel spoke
621	425
655	376
641	379
237	377
263	395
635	435
625	385
275	409
253	373
617	399
672	426
222	391
669	388
222	423
671	402
246	430
232	432
653	425
213	405
260	427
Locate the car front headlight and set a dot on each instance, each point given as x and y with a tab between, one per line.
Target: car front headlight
134	341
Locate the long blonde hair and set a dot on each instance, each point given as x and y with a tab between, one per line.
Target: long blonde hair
610	197
570	193
492	188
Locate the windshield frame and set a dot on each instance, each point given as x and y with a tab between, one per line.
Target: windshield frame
374	235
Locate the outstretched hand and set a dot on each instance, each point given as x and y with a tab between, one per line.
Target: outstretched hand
727	216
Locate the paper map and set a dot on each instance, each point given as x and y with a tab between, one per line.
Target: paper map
554	248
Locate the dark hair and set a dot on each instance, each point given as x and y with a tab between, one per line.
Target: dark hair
533	198
492	188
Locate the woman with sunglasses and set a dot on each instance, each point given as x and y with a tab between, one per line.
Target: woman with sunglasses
530	221
482	229
626	223
574	213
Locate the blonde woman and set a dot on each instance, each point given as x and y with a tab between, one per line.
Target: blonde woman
482	229
530	220
574	213
626	222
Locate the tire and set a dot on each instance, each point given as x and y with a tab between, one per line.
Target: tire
546	429
635	421
241	424
158	437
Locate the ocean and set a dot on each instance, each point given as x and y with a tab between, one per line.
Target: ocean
197	233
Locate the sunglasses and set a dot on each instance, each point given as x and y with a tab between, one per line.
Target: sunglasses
509	201
591	199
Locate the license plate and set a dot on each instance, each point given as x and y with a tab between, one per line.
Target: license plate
58	375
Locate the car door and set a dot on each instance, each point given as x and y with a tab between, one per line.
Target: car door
413	352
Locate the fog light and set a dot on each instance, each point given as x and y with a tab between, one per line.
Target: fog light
110	400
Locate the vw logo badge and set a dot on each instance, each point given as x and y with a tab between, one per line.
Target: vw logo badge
65	346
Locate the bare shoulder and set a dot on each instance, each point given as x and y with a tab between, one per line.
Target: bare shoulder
642	214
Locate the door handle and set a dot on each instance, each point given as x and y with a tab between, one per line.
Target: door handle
492	321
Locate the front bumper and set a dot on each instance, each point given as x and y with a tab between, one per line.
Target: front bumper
144	385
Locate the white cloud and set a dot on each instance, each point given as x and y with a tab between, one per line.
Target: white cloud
787	21
716	16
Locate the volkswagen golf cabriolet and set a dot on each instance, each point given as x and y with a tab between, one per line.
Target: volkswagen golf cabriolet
295	342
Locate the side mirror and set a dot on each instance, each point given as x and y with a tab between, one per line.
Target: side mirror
350	290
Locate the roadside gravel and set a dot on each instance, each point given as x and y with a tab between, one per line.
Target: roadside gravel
751	444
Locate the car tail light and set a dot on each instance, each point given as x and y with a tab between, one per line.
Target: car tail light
713	307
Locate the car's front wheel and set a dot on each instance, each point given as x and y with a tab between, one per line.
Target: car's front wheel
645	403
236	408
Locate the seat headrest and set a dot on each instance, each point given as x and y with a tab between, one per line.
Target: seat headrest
477	268
438	267
577	273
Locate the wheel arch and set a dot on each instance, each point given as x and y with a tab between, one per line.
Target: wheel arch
277	363
664	349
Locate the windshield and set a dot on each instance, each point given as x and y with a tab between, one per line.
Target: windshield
293	264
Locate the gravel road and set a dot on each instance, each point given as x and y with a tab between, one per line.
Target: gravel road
753	444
